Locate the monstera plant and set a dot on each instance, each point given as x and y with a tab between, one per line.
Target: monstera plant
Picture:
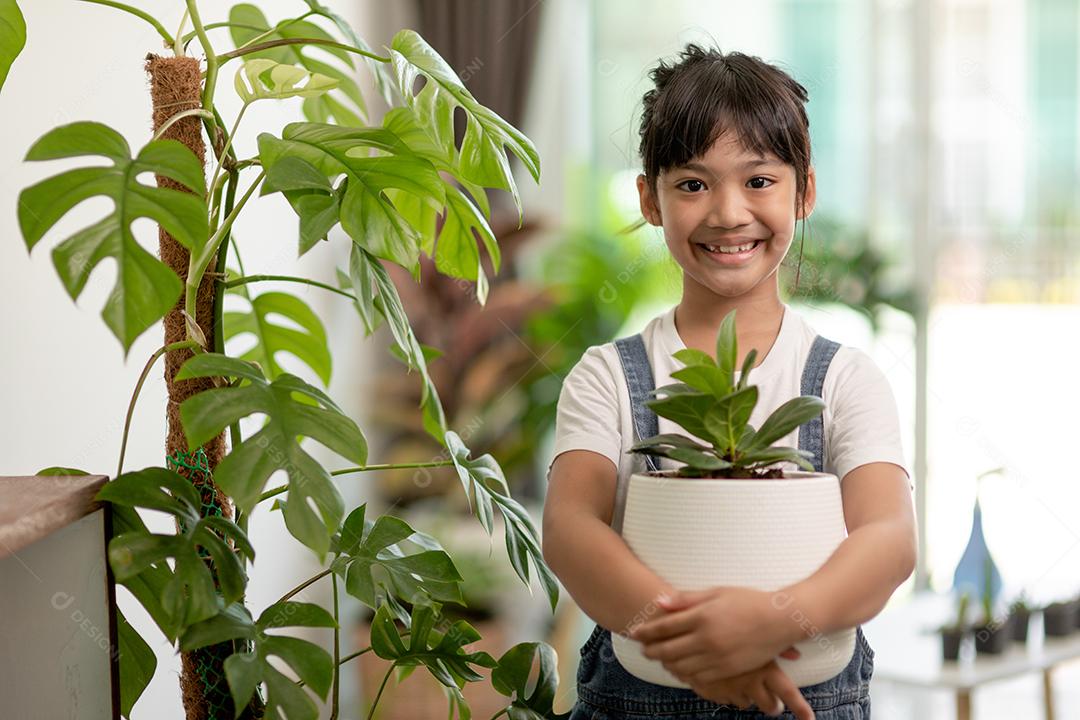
385	185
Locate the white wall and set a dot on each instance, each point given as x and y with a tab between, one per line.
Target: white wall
65	382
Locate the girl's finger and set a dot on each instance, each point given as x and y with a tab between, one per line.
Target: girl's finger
778	682
791	654
675	649
677	623
766	700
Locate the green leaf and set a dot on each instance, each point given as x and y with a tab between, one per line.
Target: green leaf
309	192
441	653
368	217
456	252
137	664
784	419
672	439
747	366
145	288
245	670
705	378
690	356
307	344
727	347
362	547
402	122
485	485
12	36
148	587
699	459
773	455
370	280
244	472
188	594
264	79
686	410
59	470
728	416
383	80
483	159
348	108
511	678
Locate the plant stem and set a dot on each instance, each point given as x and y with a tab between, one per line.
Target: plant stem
277	28
346	471
336	691
138	388
214	26
287	278
211	66
139	14
371	711
311	580
198	264
228	145
180	116
225	57
178	45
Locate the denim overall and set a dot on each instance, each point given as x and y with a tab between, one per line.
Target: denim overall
606	691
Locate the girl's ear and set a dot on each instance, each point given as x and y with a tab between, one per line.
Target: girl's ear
810	197
649	208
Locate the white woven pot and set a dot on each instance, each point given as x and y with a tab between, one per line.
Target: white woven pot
759	533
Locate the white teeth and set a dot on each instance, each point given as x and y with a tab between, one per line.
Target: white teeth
732	250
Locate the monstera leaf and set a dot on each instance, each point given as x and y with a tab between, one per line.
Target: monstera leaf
243	473
483	159
12	36
264	79
485	484
307	342
383	80
248	23
190	595
137	663
511	678
366	215
364	546
145	287
247	669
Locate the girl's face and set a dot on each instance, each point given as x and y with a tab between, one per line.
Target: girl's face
728	197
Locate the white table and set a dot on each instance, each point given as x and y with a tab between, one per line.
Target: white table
908	652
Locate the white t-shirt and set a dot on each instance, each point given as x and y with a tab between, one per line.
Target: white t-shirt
860	418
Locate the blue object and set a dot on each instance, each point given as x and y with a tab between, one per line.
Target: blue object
971	571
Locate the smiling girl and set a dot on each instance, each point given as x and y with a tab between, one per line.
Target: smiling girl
725	147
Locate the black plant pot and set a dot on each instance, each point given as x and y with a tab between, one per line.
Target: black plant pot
1020	620
1059	618
993	638
950	642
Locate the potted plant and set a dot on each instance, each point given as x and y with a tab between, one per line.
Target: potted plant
1060	618
385	184
992	634
740	500
1020	611
953	633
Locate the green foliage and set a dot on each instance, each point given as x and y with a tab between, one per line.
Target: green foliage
244	471
511	678
364	546
187	592
307	342
12	36
710	404
145	287
386	186
246	669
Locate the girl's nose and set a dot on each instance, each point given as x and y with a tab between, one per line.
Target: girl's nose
728	209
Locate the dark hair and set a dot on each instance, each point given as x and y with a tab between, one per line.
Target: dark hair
707	92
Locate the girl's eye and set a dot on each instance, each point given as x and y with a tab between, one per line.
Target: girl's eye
687	183
760	187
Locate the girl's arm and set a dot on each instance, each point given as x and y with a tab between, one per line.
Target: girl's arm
607	581
876	557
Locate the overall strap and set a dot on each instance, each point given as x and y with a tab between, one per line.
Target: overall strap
639	380
812	432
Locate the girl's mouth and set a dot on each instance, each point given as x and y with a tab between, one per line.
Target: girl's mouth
728	258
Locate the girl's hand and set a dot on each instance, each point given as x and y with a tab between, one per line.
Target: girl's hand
722	631
768	687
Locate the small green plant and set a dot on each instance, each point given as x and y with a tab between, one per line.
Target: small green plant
712	405
960	619
1022	603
